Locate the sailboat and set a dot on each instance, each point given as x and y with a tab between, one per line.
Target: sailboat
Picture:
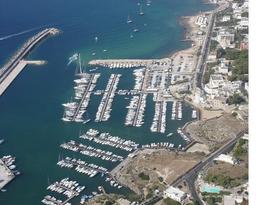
65	118
80	72
141	11
129	20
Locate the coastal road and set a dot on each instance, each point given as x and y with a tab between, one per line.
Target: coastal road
201	64
191	176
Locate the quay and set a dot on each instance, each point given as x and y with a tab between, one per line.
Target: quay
159	121
15	72
93	78
123	63
16	64
139	110
104	108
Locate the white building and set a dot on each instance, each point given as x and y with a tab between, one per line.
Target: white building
225	18
216	80
202	21
229	200
226	38
219	87
246	86
175	194
223	67
225	158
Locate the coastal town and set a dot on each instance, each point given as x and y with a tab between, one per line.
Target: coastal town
208	165
214	81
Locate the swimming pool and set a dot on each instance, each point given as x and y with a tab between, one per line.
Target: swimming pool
211	189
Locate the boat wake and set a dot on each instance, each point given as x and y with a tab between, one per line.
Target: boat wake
20	33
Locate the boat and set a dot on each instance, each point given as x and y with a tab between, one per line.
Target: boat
96	39
129	20
131	36
86	121
141	11
3	190
1	141
148	2
94	54
135	30
194	114
170	134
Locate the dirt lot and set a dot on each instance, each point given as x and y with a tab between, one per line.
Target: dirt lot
103	199
151	169
214	132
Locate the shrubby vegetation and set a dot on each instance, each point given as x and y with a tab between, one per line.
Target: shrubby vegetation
143	176
221	180
169	201
240	149
235	99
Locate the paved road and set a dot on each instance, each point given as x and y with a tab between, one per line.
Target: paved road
191	176
201	66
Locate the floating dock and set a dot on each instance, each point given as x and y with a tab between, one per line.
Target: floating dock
159	121
104	109
86	96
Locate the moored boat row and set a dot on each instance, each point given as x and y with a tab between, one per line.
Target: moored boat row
183	135
66	187
159	120
91	151
104	109
159	145
107	139
74	111
136	111
82	167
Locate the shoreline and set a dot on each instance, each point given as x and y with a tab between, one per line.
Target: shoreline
191	30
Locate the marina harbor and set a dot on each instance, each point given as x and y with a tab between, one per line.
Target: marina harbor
124	102
158	78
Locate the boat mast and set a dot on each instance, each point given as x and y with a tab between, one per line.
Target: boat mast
80	66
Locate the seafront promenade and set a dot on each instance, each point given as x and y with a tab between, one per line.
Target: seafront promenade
16	64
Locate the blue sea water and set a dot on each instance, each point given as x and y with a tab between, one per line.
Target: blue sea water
30	110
